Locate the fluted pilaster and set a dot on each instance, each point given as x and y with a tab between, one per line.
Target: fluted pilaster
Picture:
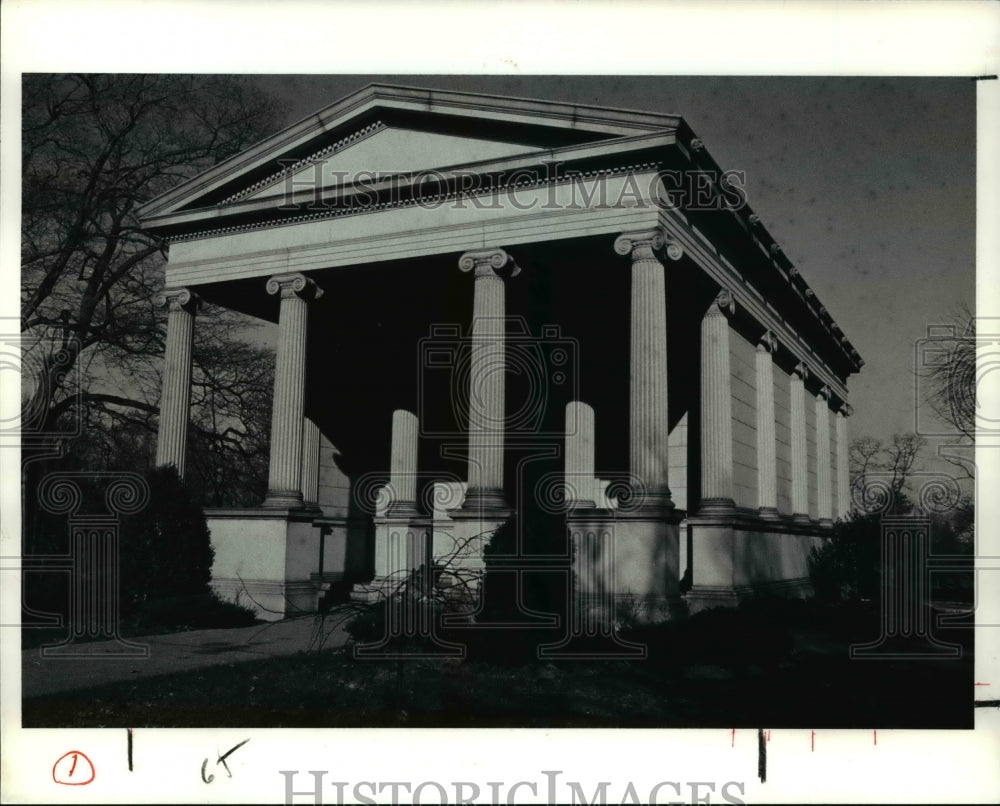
843	472
824	489
403	462
648	423
716	405
486	375
580	480
284	486
175	399
767	465
310	462
800	478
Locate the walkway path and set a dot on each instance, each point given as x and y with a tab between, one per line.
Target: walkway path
178	652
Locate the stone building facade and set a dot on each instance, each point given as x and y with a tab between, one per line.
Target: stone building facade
490	309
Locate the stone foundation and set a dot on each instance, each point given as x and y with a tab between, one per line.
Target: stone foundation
738	556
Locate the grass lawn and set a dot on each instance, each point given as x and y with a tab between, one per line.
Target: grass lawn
773	665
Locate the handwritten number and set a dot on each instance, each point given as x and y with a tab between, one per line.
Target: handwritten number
221	760
73	767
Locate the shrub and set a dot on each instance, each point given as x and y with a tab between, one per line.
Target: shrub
166	552
196	612
847	567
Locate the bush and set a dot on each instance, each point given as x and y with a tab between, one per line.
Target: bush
199	612
166	552
847	567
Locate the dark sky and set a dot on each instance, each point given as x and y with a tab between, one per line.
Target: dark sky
868	184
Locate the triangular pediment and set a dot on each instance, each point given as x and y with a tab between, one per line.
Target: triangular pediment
378	150
386	130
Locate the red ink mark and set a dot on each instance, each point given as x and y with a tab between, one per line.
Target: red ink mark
64	770
812	742
733	742
875	736
769	735
980	684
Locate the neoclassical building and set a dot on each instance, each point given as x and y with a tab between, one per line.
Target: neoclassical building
489	309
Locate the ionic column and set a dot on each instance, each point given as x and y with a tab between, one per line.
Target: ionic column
175	399
824	490
579	469
403	463
648	416
767	463
310	462
716	406
284	484
800	479
486	376
843	471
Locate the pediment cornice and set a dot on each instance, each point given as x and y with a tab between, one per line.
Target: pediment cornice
535	124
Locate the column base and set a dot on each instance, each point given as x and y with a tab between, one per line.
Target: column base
401	510
485	500
282	499
800	518
769	513
652	502
716	506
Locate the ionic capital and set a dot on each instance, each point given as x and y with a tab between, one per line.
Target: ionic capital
641	245
824	393
294	285
725	302
488	263
768	342
178	299
801	371
845	410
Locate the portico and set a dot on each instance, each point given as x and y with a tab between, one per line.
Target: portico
475	296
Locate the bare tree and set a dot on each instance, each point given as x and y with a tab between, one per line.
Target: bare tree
892	463
94	147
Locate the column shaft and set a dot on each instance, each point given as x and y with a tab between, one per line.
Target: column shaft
824	489
800	478
716	406
403	460
580	481
767	464
284	485
648	421
175	400
310	462
486	377
843	473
